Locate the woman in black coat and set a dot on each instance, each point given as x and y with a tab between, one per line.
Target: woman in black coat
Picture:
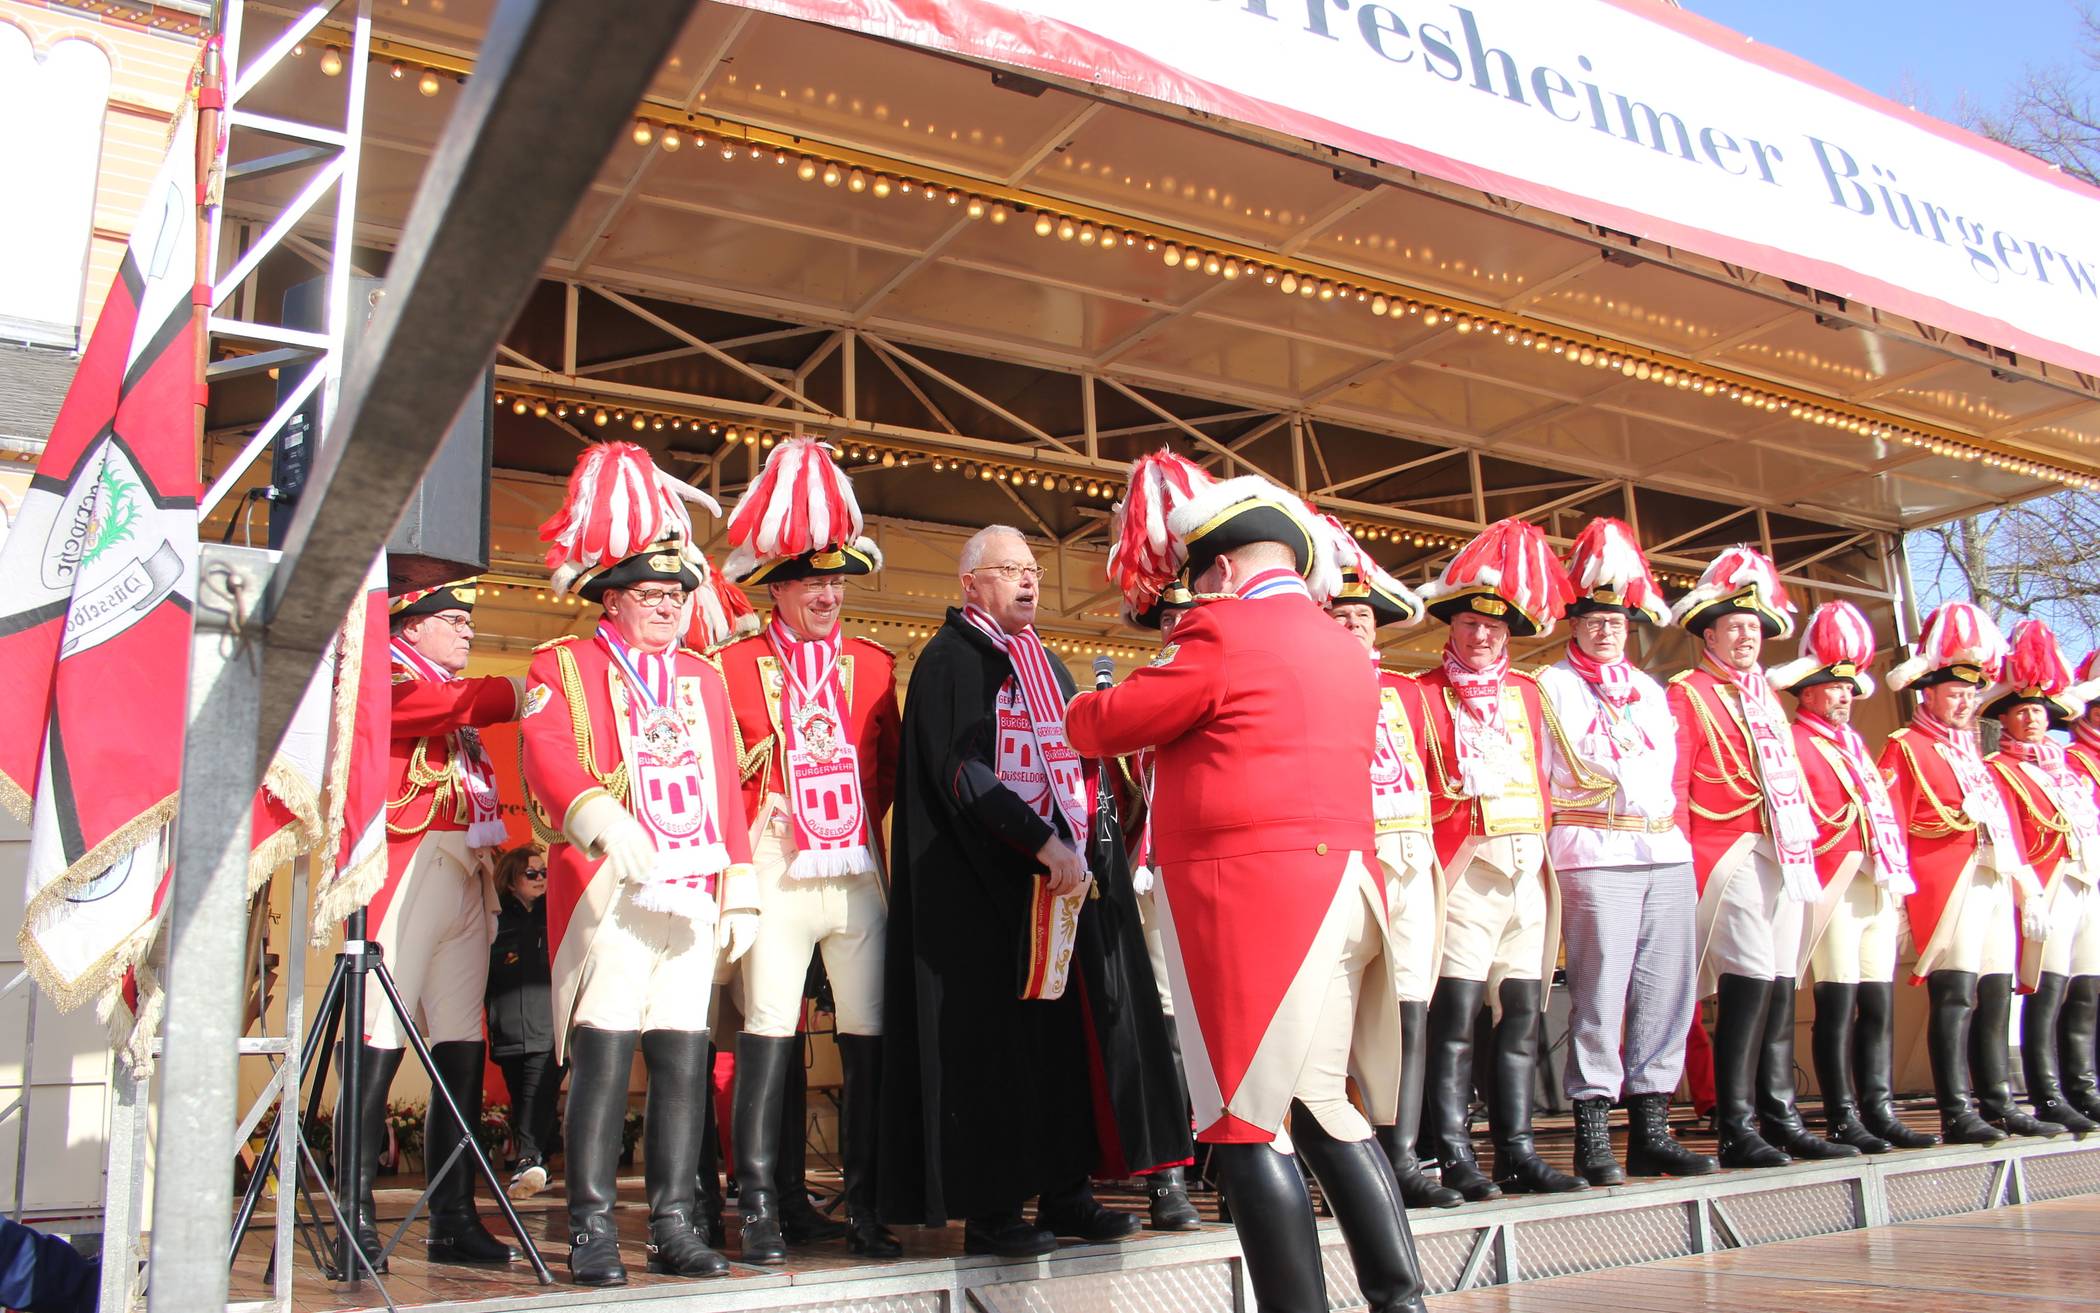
521	1014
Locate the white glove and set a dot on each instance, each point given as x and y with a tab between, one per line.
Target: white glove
2034	919
603	828
739	931
1142	879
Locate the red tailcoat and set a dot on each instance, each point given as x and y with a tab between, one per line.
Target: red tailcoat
425	790
2086	761
1455	818
869	674
1263	712
1841	818
2033	813
1720	796
1943	837
572	753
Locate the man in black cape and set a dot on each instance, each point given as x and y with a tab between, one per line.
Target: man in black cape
991	1068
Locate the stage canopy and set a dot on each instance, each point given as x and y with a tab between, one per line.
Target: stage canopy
1430	264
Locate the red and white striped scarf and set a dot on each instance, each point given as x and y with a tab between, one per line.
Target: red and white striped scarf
1480	698
1891	850
671	784
1396	781
820	763
1788	818
1058	783
1980	798
1613	680
2072	795
477	774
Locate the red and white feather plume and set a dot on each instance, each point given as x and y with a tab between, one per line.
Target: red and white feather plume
1606	555
618	505
1956	633
1729	573
2086	687
2035	662
1145	555
720	609
1512	559
801	502
1836	633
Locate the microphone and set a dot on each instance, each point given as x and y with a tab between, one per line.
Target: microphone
1104	672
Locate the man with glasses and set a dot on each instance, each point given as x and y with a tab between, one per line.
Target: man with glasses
1628	895
430	914
1014	957
630	754
817	723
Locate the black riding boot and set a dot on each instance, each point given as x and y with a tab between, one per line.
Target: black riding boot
1359	1185
1953	1002
456	1232
1518	1167
2038	1057
600	1062
860	1140
1874	1067
1990	1061
1282	1248
707	1183
761	1083
1831	1041
1398	1140
2075	1033
801	1222
377	1068
1448	1087
1650	1148
1779	1120
1740	1019
1593	1155
672	1122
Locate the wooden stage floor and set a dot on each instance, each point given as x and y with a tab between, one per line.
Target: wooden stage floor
2023	1259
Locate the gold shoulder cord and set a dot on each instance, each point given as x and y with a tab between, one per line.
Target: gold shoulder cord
2056	830
1738	770
1950	822
1601	787
580	725
445	795
1440	773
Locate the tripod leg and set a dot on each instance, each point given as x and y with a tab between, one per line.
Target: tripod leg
468	1142
289	1098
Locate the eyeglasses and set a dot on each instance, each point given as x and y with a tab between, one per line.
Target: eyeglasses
1011	573
651	598
535	872
459	620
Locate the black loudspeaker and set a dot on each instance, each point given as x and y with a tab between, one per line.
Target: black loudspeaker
444	533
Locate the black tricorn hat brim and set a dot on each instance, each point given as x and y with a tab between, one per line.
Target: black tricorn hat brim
1249	522
1484	602
665	566
851	561
445	597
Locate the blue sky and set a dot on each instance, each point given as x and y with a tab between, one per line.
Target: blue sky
1944	47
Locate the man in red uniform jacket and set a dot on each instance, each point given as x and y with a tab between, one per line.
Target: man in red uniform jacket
630	754
2052	810
1863	861
2081	1014
1973	884
816	728
1741	800
1483	736
1262	713
430	918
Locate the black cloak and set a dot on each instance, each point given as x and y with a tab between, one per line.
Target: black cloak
989	1100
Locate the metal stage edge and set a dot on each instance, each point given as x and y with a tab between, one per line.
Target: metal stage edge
1516	1239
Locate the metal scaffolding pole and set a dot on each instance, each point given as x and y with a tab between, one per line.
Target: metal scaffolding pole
555	86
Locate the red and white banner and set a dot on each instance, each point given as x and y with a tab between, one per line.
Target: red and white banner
97	579
1625	113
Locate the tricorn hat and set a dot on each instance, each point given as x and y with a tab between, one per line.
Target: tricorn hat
1740	581
2035	671
457	595
1145	559
1367	583
622	523
1250	509
1836	646
1508	573
1610	574
798	520
1961	643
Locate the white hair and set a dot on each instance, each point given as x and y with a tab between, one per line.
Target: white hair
973	551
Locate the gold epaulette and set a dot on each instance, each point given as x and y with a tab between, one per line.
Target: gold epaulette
554	642
1531	674
1901	731
883	648
717	649
1681	676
